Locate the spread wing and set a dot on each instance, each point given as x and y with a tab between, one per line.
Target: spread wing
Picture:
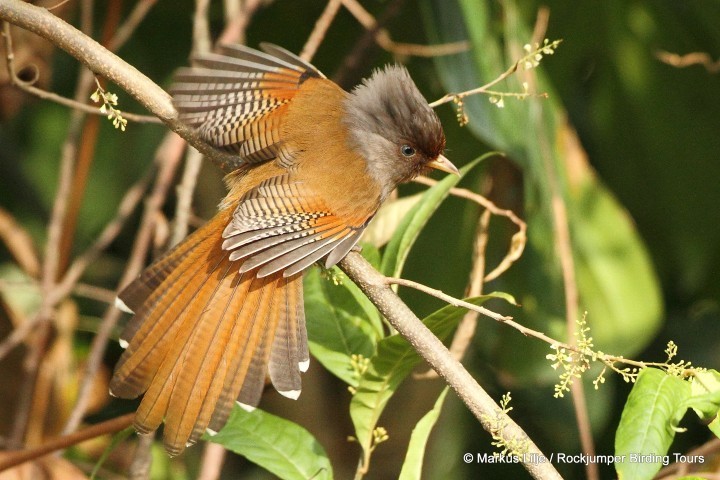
237	98
281	225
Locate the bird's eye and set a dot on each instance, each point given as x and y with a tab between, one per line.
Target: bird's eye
407	150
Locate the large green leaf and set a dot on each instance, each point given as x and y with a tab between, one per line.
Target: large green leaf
412	466
705	399
393	362
647	426
341	322
281	447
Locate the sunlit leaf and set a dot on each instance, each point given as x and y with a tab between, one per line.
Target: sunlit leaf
647	425
278	445
412	466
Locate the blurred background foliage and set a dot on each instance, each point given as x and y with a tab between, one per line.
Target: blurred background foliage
630	143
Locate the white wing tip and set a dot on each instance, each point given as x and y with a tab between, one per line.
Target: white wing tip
245	406
123	343
292	394
120	305
210	432
304	365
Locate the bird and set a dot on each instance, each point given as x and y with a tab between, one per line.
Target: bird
223	310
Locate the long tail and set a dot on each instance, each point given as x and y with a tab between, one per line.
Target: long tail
204	335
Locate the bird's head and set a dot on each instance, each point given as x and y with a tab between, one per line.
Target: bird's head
392	126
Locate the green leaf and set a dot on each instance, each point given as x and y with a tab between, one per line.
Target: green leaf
281	447
714	426
647	425
341	322
705	391
408	230
613	271
412	466
394	360
387	219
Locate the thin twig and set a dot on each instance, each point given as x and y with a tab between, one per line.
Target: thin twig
212	461
193	162
142	459
37	345
19	243
467	326
193	158
234	31
454	97
447	298
519	239
11	459
127	28
201	42
383	38
605	358
689	59
321	27
94	293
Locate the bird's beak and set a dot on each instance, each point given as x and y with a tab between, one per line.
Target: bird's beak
442	163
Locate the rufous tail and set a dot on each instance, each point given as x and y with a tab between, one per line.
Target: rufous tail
204	335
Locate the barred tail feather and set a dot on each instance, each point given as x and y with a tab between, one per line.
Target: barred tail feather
204	335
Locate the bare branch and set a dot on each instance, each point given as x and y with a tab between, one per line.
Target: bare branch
563	247
19	243
142	459
689	59
321	28
386	42
201	28
238	20
212	461
446	298
125	31
12	459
